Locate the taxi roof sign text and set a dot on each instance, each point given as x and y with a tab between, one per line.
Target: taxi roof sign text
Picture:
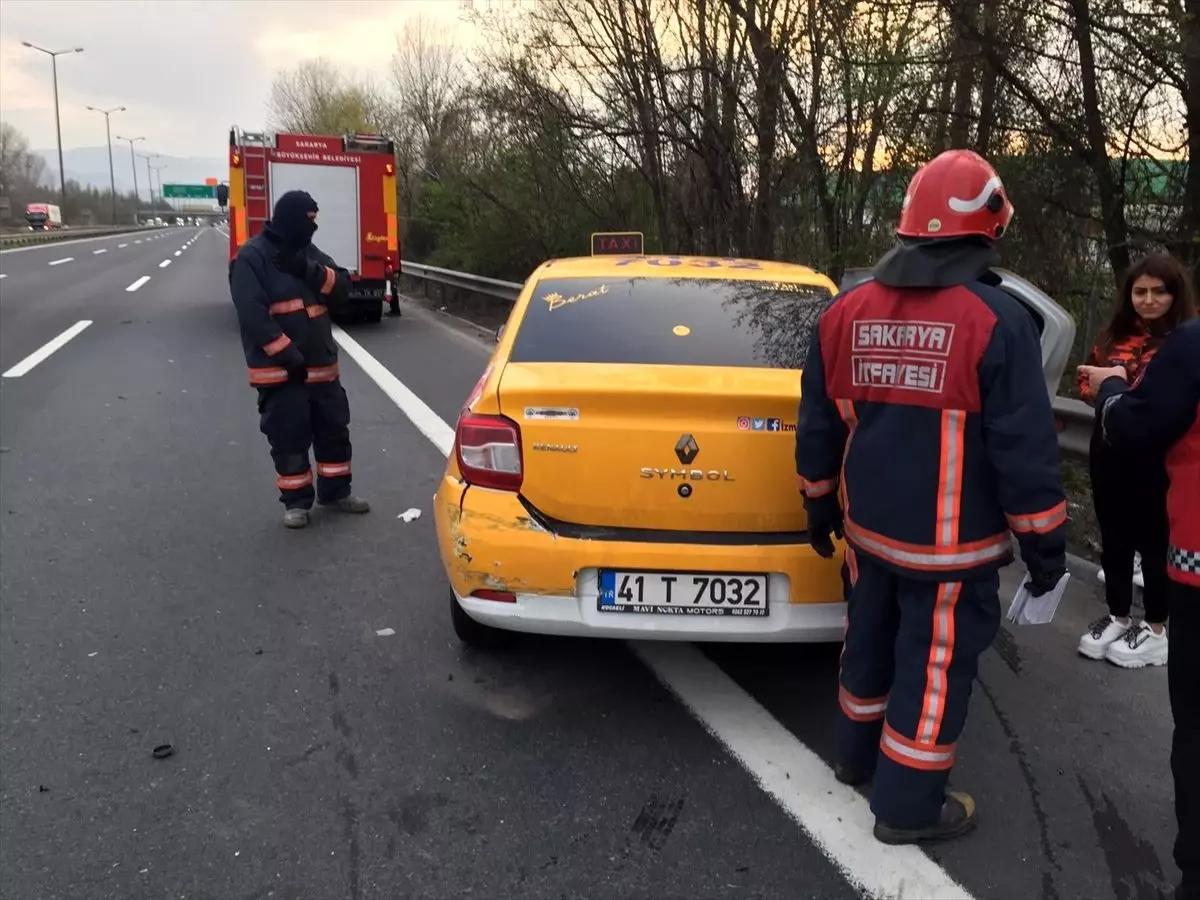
618	243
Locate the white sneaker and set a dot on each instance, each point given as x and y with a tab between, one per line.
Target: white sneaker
1100	635
1137	572
1138	647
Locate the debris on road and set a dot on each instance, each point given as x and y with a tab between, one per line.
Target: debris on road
162	751
409	514
385	632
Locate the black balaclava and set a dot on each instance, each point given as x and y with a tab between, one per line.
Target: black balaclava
290	219
915	263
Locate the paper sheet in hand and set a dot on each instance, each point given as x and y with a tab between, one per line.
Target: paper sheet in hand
1029	610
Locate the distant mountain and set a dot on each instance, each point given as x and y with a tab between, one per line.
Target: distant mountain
89	166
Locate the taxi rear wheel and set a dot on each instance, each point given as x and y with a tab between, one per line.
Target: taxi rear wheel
476	634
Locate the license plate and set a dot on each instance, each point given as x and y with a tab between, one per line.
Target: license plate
683	594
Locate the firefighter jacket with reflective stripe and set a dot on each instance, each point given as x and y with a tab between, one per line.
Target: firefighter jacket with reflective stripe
284	321
1160	415
927	410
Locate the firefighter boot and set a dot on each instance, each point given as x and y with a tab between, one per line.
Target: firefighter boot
957	818
350	504
295	518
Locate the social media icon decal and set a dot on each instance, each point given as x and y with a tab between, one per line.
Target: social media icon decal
774	424
759	424
743	423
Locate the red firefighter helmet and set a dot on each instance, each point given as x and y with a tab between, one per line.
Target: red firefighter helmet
955	194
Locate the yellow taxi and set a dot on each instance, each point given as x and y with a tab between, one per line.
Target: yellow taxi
625	465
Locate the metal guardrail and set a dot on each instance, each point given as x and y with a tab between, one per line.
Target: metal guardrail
1073	418
25	238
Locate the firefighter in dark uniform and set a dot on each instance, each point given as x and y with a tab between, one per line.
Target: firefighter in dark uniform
926	439
1159	416
280	284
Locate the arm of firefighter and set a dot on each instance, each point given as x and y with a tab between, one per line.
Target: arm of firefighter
253	308
1162	405
329	279
820	432
1022	442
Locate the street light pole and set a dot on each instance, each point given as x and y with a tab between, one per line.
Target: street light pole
112	178
137	197
149	177
62	172
158	169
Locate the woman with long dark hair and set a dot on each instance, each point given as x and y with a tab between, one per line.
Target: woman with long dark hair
1129	488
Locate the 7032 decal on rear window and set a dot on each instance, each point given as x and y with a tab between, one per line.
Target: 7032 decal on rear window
689	262
683	594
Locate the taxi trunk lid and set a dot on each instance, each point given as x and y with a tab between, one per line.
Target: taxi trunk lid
687	449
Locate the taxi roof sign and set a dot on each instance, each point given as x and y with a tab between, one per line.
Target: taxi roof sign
618	243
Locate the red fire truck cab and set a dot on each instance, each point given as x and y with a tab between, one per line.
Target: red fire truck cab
353	180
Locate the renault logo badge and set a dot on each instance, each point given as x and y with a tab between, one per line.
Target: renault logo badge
687	449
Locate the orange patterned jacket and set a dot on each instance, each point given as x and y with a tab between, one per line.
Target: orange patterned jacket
1133	352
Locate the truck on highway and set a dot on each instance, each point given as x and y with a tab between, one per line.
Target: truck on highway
353	179
43	217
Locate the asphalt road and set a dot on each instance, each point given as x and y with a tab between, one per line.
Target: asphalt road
149	595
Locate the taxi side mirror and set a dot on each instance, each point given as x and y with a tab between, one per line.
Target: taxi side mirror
1056	327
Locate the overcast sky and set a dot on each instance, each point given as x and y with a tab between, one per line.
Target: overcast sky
186	69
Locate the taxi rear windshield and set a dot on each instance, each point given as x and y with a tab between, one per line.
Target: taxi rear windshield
670	322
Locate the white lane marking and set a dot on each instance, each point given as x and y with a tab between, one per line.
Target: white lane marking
164	263
98	252
44	353
427	421
386	632
836	817
122	246
178	252
59	262
184	247
2	275
137	284
137	242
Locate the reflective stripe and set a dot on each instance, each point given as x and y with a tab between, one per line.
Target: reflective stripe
1183	565
950	468
294	482
941	652
333	470
316	310
845	409
322	373
914	754
330	280
278	345
928	557
1039	523
814	489
286	306
860	710
270	375
852	565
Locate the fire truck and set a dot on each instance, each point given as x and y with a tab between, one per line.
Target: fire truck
353	180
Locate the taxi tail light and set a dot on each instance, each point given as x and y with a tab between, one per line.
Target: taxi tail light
497	596
488	451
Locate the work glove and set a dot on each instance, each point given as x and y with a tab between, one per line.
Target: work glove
293	360
824	522
1044	574
297	264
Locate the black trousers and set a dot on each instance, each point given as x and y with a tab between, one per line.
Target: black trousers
1130	498
1183	679
909	659
295	416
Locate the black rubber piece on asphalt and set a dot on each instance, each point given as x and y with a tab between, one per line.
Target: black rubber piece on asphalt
162	751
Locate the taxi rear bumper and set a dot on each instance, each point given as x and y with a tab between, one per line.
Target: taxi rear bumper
488	543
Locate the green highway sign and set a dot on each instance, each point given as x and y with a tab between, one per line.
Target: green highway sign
189	191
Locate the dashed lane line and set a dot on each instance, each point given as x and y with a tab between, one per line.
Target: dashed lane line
164	263
122	246
137	284
59	262
836	818
44	353
98	252
178	252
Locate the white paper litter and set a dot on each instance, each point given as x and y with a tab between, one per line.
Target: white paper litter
409	514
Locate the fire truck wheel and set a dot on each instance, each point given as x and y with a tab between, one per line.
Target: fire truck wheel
375	315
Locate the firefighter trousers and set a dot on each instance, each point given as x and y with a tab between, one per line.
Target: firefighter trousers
909	658
1183	683
295	416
